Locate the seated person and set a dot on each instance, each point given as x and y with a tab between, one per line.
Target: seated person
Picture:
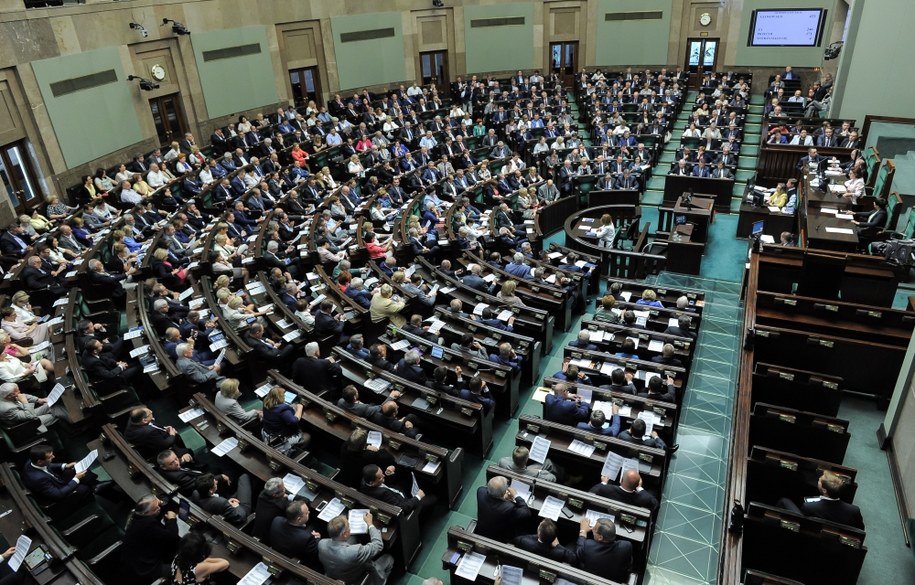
636	434
408	368
227	401
387	417
545	544
234	509
603	555
350	401
627	350
629	491
649	299
477	392
519	463
598	423
571	373
55	482
151	439
621	381
656	389
290	535
667	357
506	357
373	485
828	506
682	328
584	341
563	407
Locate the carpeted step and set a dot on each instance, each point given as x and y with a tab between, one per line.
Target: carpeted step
735	204
652	197
746	163
745	174
656	182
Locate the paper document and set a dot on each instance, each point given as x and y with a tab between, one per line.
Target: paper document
60	301
373	439
835	230
774	209
292	335
134	333
357	523
84	463
262	390
55	394
612	465
333	509
137	351
478	309
504	315
523	489
597	336
829	210
539	449
512	575
626	295
551	508
655	345
220	357
23	543
469	566
625	411
414	486
431	467
603	406
399	345
593	516
844	216
293	483
629	464
607	368
225	446
189	415
436	326
585	394
672	322
581	448
651	419
258	575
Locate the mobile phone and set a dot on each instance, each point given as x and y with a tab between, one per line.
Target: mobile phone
184	509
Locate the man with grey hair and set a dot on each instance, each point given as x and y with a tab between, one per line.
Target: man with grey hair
195	371
347	560
150	541
603	555
315	373
517	267
17	407
500	511
474	280
271	503
682	303
584	341
408	368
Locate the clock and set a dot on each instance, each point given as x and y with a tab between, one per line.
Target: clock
705	19
158	72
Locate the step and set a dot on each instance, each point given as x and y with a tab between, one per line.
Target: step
668	157
735	203
656	182
757	100
745	174
746	163
750	150
652	197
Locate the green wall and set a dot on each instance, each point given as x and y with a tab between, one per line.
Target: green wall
499	48
781	56
632	42
92	122
874	75
373	61
238	83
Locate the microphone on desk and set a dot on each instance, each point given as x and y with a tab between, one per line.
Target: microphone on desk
818	228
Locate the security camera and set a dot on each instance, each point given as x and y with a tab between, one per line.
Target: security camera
177	28
139	27
145	84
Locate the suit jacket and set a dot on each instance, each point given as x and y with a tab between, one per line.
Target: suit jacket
148	543
656	442
349	561
265	510
10	247
325	324
500	519
183	478
316	374
834	511
36	278
101	367
476	282
393	424
532	544
295	541
196	372
395	498
413	373
563	411
149	439
872	219
56	484
608	560
641	498
217	504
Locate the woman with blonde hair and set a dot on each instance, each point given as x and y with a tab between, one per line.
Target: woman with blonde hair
227	402
507	294
280	422
384	306
649	299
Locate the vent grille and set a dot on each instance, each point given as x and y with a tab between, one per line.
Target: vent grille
367	35
504	21
656	15
68	86
232	52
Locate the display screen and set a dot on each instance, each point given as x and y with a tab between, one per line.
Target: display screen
787	28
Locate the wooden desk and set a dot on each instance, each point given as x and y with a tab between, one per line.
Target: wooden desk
720	189
774	223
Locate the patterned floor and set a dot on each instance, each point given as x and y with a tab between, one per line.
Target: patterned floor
685	546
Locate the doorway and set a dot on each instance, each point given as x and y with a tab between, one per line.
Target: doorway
433	68
701	57
168	118
564	61
17	176
306	86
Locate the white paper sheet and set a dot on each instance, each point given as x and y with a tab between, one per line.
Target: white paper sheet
593	516
539	449
612	465
357	523
551	508
581	448
333	509
55	394
523	489
86	462
835	230
225	446
293	483
258	575
469	566
22	549
189	415
373	439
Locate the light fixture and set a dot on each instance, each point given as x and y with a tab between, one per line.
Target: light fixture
139	27
833	50
145	84
177	28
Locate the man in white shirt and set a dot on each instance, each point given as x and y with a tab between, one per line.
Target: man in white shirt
428	141
128	195
155	177
333	138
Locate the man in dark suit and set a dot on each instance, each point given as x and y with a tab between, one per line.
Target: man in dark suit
812	158
314	372
636	434
101	366
35	277
682	328
667	357
501	513
150	541
373	485
290	535
171	468
545	544
828	506
629	491
564	408
267	350
474	280
271	503
234	510
408	368
326	324
56	482
151	439
110	283
603	555
626	181
387	417
349	401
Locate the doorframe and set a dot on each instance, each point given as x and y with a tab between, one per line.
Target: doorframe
701	68
444	85
575	60
179	106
